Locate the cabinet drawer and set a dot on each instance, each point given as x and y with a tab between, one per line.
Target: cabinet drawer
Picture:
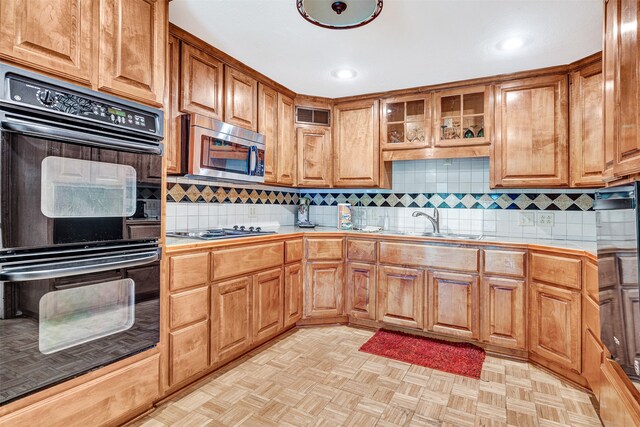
556	270
189	307
189	270
238	261
102	401
189	352
444	257
292	251
506	263
361	250
320	249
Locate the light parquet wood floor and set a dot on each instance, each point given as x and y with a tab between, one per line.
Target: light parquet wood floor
317	377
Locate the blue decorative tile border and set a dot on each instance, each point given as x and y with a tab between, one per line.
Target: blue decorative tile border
522	201
196	193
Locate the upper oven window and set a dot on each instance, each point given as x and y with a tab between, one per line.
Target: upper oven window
225	156
74	188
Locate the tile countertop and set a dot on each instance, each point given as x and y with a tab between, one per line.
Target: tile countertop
586	246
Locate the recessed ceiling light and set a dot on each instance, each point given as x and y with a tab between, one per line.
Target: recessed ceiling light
344	74
511	43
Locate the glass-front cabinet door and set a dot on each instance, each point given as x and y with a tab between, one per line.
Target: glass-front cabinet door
462	117
406	122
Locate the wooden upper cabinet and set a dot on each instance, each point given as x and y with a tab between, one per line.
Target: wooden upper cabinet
453	304
555	328
586	134
132	49
400	296
286	150
356	142
611	86
314	157
627	143
53	36
173	138
463	117
268	126
202	83
405	122
531	134
241	99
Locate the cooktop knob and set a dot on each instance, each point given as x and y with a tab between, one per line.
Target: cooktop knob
242	228
258	229
251	228
235	227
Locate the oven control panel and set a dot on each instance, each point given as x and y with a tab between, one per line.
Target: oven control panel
53	98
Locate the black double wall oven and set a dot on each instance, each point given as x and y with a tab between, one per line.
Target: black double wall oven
79	256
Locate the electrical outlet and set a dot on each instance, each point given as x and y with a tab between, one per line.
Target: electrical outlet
447	162
526	219
252	212
544	219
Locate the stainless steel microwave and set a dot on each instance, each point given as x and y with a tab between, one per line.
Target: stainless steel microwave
218	150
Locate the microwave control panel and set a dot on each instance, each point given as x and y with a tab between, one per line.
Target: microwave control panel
53	98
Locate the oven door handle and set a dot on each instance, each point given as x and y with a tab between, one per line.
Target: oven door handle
51	270
45	129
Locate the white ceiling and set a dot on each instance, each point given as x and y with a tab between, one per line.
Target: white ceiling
412	42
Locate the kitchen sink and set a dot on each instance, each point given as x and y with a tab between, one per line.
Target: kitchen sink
455	236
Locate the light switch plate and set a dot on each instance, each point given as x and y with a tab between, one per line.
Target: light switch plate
252	212
527	219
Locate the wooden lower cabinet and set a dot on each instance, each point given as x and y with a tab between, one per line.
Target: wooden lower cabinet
293	304
231	314
453	305
618	397
555	327
361	290
267	304
189	352
400	296
503	311
324	289
111	399
592	353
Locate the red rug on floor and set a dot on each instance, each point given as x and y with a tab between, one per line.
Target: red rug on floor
456	358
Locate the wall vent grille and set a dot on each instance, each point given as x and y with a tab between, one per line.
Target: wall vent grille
313	116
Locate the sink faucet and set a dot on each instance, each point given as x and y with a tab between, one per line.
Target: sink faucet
435	219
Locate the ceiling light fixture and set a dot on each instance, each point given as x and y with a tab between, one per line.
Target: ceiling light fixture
344	74
339	15
511	43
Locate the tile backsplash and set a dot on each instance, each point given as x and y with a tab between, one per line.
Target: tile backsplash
458	187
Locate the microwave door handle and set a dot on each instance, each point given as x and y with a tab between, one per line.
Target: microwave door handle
614	204
253	160
86	138
73	268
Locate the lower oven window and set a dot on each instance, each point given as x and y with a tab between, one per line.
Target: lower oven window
77	315
84	188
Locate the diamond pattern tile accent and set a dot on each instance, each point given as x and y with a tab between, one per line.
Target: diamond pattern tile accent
188	193
584	202
523	201
542	201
